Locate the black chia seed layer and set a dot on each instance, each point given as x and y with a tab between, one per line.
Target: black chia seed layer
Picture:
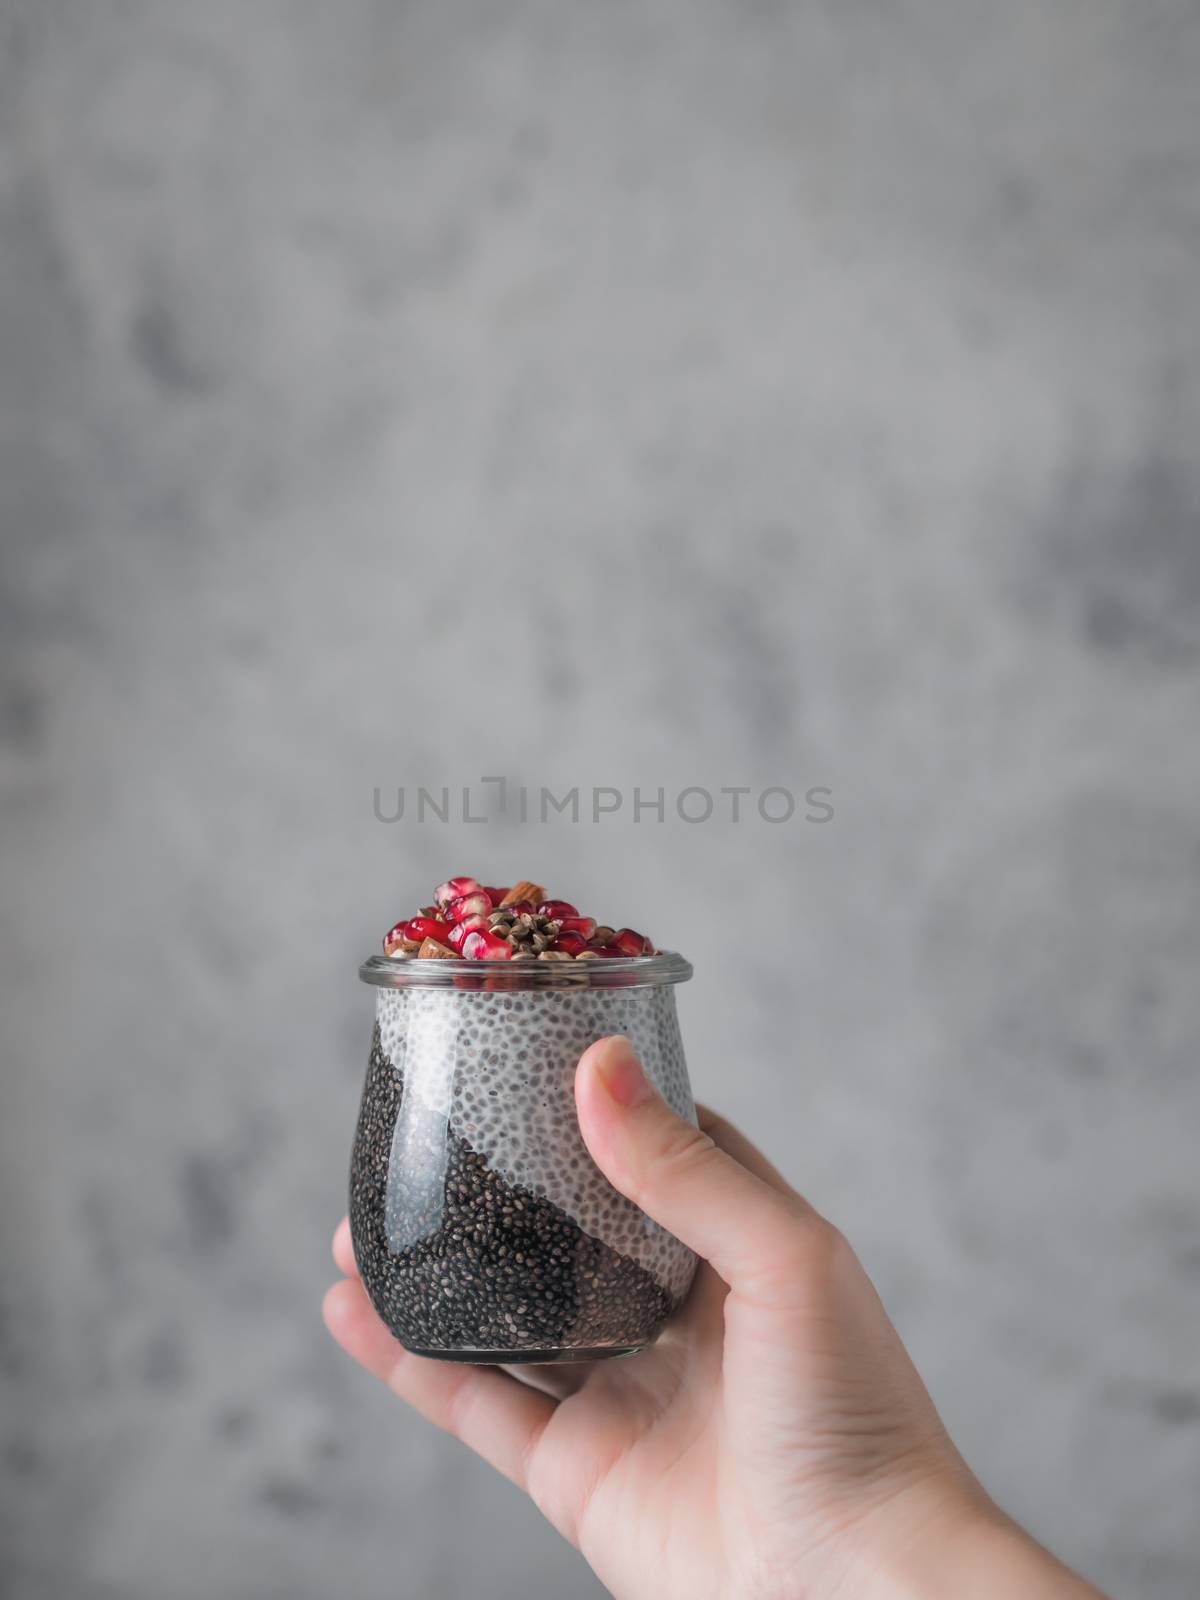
492	1267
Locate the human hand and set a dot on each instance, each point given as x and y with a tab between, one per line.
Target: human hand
776	1441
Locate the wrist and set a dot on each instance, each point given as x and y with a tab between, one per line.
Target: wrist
959	1545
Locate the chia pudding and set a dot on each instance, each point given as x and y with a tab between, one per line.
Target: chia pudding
482	1228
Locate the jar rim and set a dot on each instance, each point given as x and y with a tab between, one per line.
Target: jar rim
413	972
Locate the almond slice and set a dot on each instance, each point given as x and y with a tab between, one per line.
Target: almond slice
533	892
438	952
402	947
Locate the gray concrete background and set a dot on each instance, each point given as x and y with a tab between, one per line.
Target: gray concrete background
669	394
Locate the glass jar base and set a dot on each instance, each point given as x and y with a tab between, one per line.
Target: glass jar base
508	1358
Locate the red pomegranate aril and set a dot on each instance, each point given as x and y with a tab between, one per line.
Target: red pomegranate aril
468	905
454	889
558	909
462	929
460	918
480	945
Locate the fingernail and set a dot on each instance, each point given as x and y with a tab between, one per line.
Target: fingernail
620	1071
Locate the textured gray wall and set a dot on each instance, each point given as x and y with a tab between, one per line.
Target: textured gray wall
675	394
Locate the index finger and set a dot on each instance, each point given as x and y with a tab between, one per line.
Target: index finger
735	1143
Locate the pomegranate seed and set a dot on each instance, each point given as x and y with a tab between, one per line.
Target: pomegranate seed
519	907
429	911
427	928
630	943
494	895
460	930
558	909
584	926
454	889
394	935
480	945
571	943
608	950
468	905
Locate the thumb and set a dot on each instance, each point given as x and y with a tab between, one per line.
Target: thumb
754	1235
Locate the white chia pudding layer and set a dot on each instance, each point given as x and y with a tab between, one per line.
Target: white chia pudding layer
497	1071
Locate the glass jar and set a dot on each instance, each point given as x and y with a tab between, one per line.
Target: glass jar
482	1228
